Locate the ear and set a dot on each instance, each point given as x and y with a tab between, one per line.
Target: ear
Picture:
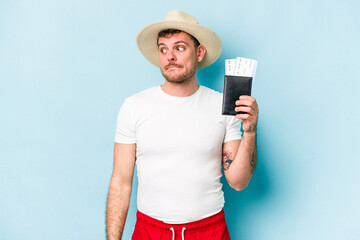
201	50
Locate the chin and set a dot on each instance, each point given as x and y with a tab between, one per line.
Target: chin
177	78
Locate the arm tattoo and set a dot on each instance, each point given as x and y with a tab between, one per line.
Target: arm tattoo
227	160
253	161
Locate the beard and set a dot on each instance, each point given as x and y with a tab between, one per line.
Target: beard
178	77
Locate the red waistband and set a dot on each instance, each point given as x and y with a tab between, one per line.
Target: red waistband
208	222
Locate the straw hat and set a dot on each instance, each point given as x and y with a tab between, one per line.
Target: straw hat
147	37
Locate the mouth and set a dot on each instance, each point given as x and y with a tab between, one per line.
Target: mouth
169	67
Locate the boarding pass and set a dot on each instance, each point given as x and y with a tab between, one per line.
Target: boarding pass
240	66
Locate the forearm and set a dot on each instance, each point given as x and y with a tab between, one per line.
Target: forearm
116	210
244	162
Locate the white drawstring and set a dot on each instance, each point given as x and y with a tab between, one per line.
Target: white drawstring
182	234
173	231
183	230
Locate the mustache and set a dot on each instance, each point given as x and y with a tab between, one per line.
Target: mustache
172	65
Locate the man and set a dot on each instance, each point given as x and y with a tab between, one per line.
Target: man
176	135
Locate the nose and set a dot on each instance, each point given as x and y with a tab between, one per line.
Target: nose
171	56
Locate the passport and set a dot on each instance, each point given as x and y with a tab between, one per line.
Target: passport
238	80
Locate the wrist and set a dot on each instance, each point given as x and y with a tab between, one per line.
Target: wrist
250	133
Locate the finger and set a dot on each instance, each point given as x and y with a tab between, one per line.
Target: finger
244	109
243	102
243	116
247	103
248	98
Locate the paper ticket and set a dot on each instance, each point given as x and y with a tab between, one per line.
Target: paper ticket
230	67
240	66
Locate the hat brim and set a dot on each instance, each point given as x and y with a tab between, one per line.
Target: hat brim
147	40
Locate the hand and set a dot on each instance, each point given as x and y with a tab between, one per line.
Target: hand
248	105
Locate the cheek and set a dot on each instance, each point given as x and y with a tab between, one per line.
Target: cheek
162	61
189	60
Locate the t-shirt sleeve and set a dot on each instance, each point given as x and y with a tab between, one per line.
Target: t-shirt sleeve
233	129
125	125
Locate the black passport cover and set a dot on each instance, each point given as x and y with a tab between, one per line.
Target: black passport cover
234	87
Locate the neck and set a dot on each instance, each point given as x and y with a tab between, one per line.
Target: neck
182	89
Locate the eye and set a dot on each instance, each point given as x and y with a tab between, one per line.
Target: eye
180	48
163	50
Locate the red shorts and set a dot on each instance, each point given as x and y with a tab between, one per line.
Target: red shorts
211	228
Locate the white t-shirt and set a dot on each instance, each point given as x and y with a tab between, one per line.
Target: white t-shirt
178	151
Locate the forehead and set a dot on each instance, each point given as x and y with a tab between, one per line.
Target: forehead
175	38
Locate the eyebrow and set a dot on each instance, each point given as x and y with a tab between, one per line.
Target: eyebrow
174	43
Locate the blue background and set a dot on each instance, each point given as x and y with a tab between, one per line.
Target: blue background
66	67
